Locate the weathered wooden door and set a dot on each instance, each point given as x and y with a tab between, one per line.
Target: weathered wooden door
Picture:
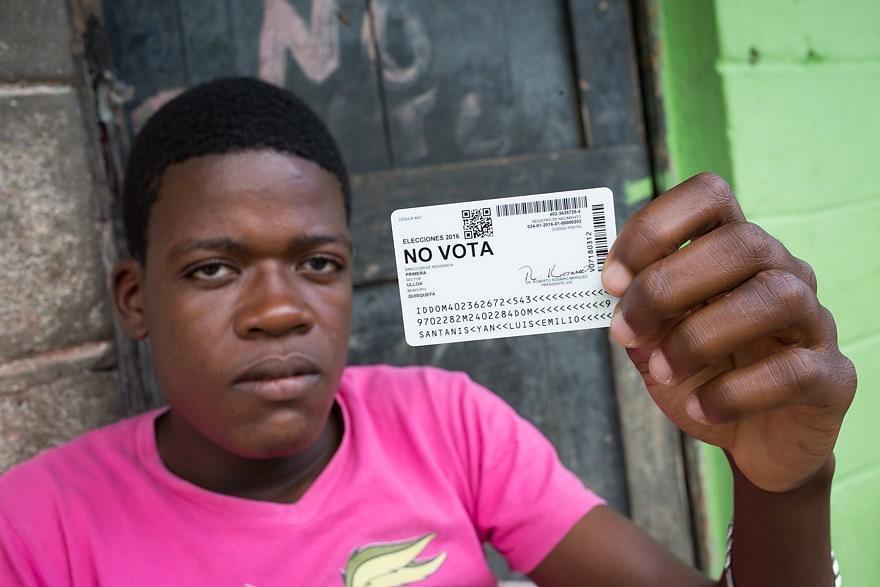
435	102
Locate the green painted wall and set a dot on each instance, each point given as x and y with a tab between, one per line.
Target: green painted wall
783	98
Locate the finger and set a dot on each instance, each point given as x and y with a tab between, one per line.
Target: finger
640	357
687	211
791	376
771	303
710	266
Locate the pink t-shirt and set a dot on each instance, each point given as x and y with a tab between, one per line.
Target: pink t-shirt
430	466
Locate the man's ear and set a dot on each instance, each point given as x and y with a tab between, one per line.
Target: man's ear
127	283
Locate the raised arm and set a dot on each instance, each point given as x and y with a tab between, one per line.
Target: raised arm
736	350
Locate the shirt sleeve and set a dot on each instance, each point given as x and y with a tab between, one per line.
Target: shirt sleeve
16	564
524	499
33	549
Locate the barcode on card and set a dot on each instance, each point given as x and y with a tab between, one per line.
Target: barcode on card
600	234
536	206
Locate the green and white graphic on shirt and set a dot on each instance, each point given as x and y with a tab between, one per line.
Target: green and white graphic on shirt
391	564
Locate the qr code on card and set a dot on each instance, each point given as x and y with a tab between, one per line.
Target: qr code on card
476	223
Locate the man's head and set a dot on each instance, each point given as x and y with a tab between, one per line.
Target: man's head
227	115
236	210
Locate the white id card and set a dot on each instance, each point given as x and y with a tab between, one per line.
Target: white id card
504	267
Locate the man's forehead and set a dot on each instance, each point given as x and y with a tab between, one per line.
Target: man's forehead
249	170
241	247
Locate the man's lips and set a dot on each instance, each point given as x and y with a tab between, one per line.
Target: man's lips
279	378
278	367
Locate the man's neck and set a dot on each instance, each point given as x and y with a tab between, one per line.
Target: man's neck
189	455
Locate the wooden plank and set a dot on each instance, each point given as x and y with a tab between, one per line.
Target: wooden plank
590	436
321	57
487	79
702	537
376	195
646	15
146	44
512	368
206	37
246	22
607	73
655	468
544	90
377	327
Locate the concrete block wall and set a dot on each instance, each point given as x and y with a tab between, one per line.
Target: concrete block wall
804	131
57	359
782	98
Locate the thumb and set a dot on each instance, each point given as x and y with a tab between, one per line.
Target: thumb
640	357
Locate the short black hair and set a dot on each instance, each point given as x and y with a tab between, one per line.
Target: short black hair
222	116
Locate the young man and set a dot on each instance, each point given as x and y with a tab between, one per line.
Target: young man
274	464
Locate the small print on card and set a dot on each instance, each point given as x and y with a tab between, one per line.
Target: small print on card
504	267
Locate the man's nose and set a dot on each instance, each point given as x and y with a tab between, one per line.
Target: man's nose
272	304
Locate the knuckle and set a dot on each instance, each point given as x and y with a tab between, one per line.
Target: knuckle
656	235
827	325
755	237
848	379
795	293
751	233
644	226
802	369
826	381
655	292
716	191
729	400
827	317
806	272
715	185
693	340
784	292
755	244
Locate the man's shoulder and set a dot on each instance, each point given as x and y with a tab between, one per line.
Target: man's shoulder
64	467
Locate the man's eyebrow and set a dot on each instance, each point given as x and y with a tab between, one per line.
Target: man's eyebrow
234	247
309	241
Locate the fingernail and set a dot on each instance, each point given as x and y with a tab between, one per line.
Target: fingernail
621	332
659	366
695	410
616	278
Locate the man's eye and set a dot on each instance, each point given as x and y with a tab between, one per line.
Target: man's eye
211	271
323	265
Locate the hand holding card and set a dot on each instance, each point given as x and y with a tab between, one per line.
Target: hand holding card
728	334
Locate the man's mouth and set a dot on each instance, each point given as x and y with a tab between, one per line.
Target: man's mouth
279	378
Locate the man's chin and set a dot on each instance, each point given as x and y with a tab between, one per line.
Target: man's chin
277	439
268	449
